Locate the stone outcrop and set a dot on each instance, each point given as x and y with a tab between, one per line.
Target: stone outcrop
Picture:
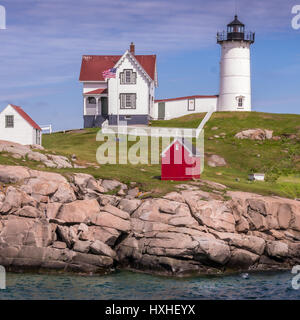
48	221
255	134
32	152
216	161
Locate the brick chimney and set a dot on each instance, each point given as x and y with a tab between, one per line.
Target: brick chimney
132	48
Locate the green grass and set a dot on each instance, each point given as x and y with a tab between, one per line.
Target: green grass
278	159
84	145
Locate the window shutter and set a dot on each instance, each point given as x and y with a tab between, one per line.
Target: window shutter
124	101
121	100
133	76
122	77
133	101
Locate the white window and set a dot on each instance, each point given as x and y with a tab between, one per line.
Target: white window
240	101
9	121
128	101
91	100
191	105
128	77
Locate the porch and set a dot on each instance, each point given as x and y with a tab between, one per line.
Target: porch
95	105
95	108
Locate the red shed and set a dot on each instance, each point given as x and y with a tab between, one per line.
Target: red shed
180	161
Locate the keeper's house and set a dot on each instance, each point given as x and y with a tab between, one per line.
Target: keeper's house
118	88
17	126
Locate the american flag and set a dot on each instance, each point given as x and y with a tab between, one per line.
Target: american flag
110	73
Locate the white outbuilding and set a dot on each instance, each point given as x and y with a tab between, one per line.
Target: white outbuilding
17	126
256	176
166	109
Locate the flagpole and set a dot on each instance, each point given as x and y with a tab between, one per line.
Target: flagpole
118	99
107	74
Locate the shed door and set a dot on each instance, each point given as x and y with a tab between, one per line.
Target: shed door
161	110
37	136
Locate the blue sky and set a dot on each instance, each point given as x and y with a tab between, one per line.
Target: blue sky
41	49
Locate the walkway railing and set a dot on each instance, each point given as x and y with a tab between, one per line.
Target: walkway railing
104	124
156	131
247	36
47	127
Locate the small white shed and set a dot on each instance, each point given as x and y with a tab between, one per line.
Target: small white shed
17	126
256	177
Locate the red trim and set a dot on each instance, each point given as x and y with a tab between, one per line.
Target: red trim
26	117
97	91
186	98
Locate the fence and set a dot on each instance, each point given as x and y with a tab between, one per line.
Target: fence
47	127
122	128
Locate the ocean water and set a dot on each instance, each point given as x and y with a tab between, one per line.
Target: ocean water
130	285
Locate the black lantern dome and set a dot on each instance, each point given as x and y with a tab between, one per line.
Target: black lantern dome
235	32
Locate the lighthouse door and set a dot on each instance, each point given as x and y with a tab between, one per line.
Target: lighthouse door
161	110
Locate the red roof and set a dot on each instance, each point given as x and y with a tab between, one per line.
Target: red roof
93	66
97	91
26	117
192	149
185	98
148	63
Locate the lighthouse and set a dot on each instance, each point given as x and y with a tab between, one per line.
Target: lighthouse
235	73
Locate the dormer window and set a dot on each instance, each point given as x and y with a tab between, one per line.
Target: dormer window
128	77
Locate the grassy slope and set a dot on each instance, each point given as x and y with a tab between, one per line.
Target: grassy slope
277	158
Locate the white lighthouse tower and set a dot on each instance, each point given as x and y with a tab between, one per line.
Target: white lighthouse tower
235	74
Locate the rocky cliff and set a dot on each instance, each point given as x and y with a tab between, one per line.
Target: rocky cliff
52	222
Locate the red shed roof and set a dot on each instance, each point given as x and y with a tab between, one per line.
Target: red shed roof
97	91
93	66
185	98
187	144
26	117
